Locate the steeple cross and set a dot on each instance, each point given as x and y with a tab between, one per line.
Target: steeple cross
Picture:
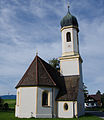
36	52
68	5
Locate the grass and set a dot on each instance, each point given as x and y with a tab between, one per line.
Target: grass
11	103
10	116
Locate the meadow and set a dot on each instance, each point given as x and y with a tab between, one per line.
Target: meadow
10	115
11	103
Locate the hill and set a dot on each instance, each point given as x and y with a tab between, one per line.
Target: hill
8	97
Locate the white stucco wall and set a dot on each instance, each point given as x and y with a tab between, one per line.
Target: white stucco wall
72	46
81	75
30	102
27	102
69	67
75	41
44	112
62	113
47	112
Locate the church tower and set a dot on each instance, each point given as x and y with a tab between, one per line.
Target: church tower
70	62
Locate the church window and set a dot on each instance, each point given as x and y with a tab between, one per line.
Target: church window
68	36
65	106
45	98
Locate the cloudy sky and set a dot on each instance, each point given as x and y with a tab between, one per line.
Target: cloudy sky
30	25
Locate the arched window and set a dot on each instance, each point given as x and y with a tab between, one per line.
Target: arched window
68	36
45	98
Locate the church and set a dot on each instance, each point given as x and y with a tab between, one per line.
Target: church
43	92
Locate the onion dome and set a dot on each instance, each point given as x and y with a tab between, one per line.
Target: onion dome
69	20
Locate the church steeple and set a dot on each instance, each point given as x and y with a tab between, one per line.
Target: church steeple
69	29
70	45
69	20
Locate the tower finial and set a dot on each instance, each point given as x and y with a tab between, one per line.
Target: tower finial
68	6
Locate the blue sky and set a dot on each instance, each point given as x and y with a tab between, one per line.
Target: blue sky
30	25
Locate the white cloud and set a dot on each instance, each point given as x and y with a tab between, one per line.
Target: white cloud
91	45
20	37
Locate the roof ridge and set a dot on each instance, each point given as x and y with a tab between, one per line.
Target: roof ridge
37	69
46	71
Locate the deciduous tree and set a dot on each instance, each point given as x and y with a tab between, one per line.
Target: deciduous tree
102	100
98	92
55	63
85	92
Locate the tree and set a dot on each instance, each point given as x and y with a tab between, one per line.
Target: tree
6	106
102	100
98	92
1	103
55	63
102	97
85	92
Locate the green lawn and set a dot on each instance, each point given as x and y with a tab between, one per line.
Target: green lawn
11	102
10	116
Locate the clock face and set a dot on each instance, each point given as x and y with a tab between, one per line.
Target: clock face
68	47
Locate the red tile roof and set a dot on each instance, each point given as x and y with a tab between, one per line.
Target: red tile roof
96	97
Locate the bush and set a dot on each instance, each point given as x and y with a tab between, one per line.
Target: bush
1	103
6	106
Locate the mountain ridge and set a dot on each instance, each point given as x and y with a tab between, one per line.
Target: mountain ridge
8	96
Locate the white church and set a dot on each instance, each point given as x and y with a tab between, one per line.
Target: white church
43	92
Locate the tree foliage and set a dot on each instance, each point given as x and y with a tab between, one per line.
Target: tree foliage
1	103
6	106
102	100
85	92
55	63
98	92
102	97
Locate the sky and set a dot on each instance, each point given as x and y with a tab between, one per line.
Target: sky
27	26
